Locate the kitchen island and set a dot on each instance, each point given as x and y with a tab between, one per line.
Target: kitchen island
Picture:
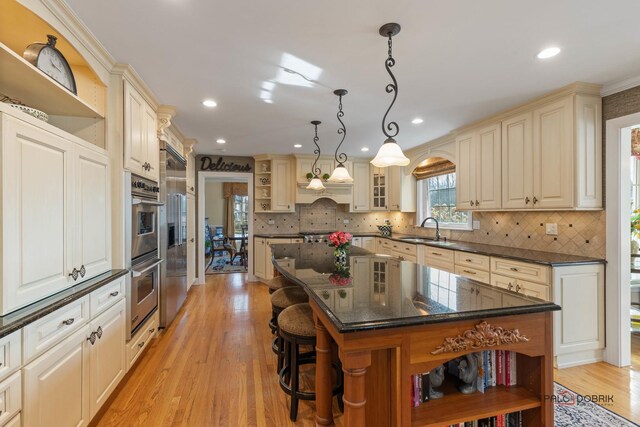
392	319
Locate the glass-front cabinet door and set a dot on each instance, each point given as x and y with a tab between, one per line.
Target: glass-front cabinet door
378	189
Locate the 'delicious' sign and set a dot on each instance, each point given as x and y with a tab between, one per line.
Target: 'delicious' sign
224	164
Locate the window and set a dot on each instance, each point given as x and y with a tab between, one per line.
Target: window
240	213
437	198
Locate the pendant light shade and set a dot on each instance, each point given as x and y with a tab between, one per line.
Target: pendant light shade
390	154
340	173
316	183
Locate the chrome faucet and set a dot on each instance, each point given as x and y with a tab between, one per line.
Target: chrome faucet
437	226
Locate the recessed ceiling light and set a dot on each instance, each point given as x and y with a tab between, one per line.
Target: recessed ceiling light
417	121
221	141
297	146
209	103
364	149
548	52
268	101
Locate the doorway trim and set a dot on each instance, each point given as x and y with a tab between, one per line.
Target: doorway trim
202	176
618	217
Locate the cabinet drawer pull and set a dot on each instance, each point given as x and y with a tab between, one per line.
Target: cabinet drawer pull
510	286
152	330
526	200
92	338
469	271
514	269
477	203
68	321
468	260
99	332
518	288
74	273
114	293
471	202
141	344
82	271
535	200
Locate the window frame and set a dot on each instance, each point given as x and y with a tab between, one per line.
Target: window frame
244	202
421	214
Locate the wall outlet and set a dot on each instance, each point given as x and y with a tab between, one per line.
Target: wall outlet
271	222
476	225
552	229
345	221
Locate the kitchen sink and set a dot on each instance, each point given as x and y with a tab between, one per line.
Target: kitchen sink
426	240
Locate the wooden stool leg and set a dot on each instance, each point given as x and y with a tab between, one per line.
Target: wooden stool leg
294	381
280	353
287	362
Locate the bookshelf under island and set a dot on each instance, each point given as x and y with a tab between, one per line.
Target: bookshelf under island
401	320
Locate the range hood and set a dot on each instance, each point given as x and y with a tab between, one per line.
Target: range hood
341	193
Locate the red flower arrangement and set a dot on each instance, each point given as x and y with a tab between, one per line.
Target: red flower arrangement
340	239
339	279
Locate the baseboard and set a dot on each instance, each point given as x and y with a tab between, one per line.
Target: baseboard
579	358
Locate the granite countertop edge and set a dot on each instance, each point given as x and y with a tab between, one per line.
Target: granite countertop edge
29	314
418	320
477	248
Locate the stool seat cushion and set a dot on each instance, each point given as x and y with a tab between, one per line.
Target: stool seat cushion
279	282
297	320
286	297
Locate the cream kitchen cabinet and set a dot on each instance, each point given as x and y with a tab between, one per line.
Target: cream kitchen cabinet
361	187
378	189
478	169
401	190
191	174
259	257
56	384
56	211
141	155
551	156
274	184
191	240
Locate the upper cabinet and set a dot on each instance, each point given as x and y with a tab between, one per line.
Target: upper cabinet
141	155
56	211
274	184
546	156
191	174
478	169
379	192
361	187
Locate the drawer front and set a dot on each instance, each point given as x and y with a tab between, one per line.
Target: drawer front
106	296
43	334
297	240
10	354
404	248
380	244
442	256
472	273
10	398
475	261
406	257
520	270
520	286
141	340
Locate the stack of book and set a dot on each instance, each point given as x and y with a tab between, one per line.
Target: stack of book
513	419
495	368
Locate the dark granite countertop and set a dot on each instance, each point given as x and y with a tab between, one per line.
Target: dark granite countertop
29	314
526	255
379	291
278	236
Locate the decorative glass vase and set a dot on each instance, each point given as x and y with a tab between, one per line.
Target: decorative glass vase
340	257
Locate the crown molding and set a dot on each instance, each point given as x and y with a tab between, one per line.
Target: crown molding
620	85
127	72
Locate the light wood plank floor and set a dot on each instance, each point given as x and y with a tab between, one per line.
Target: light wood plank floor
214	367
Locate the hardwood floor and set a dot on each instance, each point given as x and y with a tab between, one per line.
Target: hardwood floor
603	378
214	367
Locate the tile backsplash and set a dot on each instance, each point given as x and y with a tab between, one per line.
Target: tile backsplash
579	233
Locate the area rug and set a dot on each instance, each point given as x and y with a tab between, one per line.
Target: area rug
219	265
572	409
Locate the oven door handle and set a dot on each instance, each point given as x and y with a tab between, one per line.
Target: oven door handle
136	201
135	273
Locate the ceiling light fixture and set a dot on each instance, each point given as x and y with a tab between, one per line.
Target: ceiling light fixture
549	52
417	121
364	149
209	103
221	141
297	145
390	154
268	101
340	173
316	183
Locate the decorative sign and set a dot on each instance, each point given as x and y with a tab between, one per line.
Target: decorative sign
224	164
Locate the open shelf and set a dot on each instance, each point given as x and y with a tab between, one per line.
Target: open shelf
456	407
19	79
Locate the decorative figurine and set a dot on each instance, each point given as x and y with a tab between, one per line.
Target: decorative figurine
436	378
468	373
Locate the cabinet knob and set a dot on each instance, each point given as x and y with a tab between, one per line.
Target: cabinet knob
68	321
518	288
99	332
535	200
192	188
510	286
152	330
477	203
82	271
92	338
471	202
74	274
192	240
526	200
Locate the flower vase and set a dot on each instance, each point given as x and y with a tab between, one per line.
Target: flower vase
634	246
340	257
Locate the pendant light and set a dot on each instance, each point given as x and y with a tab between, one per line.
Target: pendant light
316	183
390	154
340	173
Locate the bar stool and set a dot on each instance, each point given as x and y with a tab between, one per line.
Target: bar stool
297	328
279	282
281	299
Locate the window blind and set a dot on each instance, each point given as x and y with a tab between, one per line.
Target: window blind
433	166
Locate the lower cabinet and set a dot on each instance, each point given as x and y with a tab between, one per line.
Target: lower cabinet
262	265
11	399
140	341
56	384
107	354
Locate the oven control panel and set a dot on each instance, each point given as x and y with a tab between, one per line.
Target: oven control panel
144	187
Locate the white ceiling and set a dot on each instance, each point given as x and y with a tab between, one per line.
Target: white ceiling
457	61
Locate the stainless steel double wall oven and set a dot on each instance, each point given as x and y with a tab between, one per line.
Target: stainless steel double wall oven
142	230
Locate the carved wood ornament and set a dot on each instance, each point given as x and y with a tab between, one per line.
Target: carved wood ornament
483	335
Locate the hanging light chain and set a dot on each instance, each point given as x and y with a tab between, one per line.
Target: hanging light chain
316	171
391	129
340	157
